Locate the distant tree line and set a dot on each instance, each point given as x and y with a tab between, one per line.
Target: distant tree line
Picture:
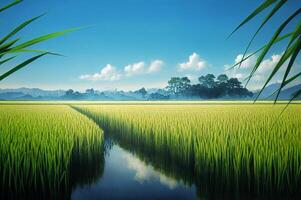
208	87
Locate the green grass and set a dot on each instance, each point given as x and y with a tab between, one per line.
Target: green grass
46	148
235	147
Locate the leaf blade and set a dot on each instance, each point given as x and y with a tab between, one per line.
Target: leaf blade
20	66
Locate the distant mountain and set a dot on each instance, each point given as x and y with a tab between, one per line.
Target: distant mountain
284	95
119	95
35	92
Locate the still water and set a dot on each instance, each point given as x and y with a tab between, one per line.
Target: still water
126	176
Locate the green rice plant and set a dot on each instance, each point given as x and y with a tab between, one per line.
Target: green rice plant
234	148
47	149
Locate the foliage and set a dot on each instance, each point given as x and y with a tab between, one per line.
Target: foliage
235	147
44	148
207	87
291	51
10	46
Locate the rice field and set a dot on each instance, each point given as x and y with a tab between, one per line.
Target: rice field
234	148
221	147
47	149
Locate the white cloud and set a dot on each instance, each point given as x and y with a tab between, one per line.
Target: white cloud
195	62
262	73
251	61
109	72
133	69
146	173
155	66
142	68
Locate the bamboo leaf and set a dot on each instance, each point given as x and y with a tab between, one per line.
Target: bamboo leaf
283	58
258	10
20	27
267	18
276	41
271	42
29	51
4	47
43	38
6	60
290	64
292	78
10	5
20	66
295	95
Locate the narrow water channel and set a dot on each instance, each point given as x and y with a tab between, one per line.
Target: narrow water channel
126	176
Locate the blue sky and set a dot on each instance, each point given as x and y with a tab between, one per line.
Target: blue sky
133	43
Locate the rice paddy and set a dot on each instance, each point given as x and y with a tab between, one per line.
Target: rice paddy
219	147
43	149
230	147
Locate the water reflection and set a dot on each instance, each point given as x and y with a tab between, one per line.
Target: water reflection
126	176
146	173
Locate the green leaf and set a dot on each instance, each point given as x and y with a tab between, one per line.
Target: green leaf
258	10
10	5
271	42
276	41
20	66
292	78
289	66
29	51
20	27
4	47
6	60
267	18
283	58
42	38
295	95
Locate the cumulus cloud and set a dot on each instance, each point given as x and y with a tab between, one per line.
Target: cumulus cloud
142	68
135	68
155	66
251	61
195	62
109	72
262	73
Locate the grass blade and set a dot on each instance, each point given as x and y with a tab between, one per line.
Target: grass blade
42	38
267	18
276	41
258	10
283	58
10	5
271	42
288	69
20	27
20	66
6	60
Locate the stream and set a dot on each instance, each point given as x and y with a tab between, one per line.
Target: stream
126	176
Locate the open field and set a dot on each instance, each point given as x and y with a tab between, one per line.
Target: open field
234	146
39	145
218	146
141	102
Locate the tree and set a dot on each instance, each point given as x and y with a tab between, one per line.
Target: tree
10	46
141	91
234	83
207	81
69	92
291	51
223	78
90	91
177	85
